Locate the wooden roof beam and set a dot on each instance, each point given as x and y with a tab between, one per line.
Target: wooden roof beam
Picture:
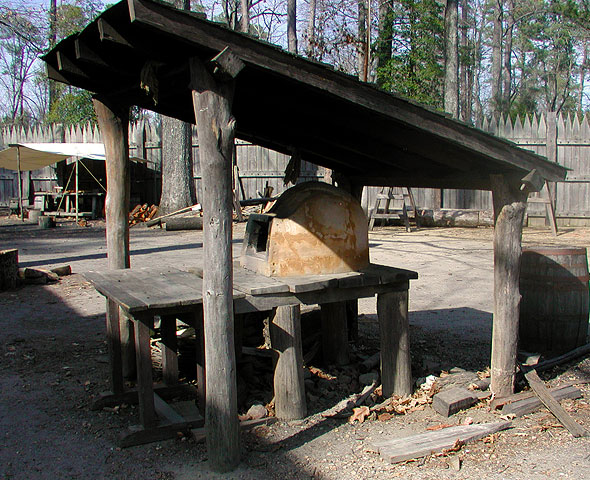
162	18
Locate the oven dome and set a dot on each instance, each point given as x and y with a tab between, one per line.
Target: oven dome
313	228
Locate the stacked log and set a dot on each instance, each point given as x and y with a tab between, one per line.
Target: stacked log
142	213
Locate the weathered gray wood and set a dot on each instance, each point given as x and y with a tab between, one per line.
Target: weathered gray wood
130	397
145	390
289	389
334	333
169	349
509	208
114	123
216	127
553	405
114	348
8	269
394	333
451	401
528	402
226	65
184	223
165	411
140	436
251	282
401	449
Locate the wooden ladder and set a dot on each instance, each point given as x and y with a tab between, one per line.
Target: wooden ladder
395	207
549	209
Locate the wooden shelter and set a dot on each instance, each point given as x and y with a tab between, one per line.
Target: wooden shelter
140	52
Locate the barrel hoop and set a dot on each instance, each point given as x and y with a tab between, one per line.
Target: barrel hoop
556	251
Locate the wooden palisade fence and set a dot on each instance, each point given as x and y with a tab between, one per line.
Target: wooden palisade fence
563	138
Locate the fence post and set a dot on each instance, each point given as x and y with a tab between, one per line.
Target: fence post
551	153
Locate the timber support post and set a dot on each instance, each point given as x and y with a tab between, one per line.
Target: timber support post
285	337
509	208
213	91
113	122
394	332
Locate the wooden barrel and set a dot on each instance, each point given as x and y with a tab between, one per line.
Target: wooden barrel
554	304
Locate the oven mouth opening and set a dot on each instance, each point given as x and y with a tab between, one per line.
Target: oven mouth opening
257	235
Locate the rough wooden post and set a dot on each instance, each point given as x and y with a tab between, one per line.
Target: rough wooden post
169	348
394	332
212	101
334	333
289	389
509	208
551	154
8	269
114	123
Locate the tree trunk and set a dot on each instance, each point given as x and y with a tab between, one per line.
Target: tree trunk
384	37
177	166
362	40
245	22
451	88
507	73
509	207
215	125
583	70
292	25
52	43
178	188
466	67
496	78
311	29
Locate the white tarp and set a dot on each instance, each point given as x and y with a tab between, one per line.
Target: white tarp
34	156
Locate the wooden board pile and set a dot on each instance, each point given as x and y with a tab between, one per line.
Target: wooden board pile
142	213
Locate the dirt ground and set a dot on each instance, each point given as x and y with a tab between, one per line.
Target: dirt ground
54	362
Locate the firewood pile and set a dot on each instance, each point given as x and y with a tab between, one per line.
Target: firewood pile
142	213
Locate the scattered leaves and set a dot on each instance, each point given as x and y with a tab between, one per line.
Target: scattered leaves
360	414
440	426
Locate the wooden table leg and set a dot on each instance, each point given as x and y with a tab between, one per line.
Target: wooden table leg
200	347
334	333
145	388
114	346
396	367
169	349
352	320
289	389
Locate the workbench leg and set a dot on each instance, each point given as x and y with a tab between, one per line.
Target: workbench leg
289	389
352	320
334	333
126	333
394	331
169	347
145	386
114	347
200	347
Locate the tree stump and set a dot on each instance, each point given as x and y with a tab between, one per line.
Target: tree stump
8	269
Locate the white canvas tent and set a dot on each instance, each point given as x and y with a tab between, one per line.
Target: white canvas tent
33	156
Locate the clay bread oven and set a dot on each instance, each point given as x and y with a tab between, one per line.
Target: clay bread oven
313	228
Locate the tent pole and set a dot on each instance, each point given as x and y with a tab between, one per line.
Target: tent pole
77	172
20	186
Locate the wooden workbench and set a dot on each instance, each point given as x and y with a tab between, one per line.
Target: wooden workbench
171	293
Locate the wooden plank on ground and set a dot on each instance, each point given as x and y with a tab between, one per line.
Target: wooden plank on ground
453	400
526	402
400	449
553	405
